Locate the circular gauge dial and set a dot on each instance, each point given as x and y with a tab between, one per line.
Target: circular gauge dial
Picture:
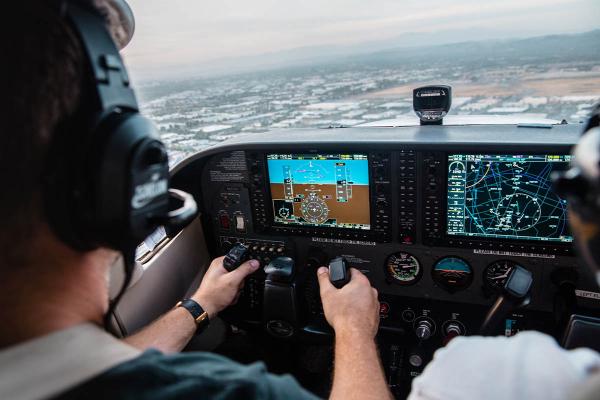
284	212
452	273
403	268
314	209
495	274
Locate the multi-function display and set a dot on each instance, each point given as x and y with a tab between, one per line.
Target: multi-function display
506	196
325	190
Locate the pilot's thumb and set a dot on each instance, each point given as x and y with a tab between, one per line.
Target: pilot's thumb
247	268
324	282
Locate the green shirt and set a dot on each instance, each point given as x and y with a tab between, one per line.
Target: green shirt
154	375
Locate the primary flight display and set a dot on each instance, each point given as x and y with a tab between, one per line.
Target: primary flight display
506	196
327	190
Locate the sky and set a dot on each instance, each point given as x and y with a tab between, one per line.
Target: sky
178	37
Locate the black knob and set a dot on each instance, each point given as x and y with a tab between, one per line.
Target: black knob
235	257
453	329
424	330
339	272
415	360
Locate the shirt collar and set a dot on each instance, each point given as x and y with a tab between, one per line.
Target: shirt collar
47	366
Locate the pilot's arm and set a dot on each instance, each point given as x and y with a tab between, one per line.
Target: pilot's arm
353	313
529	366
218	290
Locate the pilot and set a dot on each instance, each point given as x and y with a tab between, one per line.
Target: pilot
53	297
531	365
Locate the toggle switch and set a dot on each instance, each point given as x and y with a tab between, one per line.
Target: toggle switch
224	221
240	223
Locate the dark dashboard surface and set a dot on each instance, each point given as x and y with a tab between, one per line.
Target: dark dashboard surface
413	229
511	136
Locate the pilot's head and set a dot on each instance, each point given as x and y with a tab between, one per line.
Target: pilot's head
42	75
581	186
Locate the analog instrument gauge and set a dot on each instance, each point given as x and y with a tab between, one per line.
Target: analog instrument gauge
452	273
403	268
495	274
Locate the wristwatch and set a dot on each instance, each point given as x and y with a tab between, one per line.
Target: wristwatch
200	316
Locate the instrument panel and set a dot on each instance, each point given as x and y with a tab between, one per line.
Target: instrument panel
435	217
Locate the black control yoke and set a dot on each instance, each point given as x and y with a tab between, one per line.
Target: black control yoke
339	272
515	294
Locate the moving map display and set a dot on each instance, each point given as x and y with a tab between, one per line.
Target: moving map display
328	190
506	196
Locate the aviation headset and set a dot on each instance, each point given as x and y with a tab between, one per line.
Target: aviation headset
108	175
107	172
580	185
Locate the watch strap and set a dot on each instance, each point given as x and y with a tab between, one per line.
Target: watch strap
198	313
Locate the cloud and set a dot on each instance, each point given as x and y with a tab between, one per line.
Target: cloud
193	32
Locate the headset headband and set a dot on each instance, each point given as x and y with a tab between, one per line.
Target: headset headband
108	74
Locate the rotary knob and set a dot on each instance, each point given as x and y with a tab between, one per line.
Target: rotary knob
453	329
424	329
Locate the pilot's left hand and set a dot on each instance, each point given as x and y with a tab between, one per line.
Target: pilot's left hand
219	289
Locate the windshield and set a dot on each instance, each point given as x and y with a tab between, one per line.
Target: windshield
207	71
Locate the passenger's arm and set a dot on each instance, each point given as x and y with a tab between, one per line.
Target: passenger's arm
353	312
218	289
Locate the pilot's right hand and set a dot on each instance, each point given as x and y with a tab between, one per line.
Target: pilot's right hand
353	309
219	289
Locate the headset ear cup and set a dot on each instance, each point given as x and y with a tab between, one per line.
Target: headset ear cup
90	195
131	181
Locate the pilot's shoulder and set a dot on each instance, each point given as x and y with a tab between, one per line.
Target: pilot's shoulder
529	365
155	375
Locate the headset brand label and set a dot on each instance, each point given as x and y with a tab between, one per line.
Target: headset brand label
146	192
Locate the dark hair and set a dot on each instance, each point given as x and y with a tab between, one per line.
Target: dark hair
42	72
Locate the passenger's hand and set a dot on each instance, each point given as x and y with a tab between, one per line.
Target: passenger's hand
353	309
219	289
